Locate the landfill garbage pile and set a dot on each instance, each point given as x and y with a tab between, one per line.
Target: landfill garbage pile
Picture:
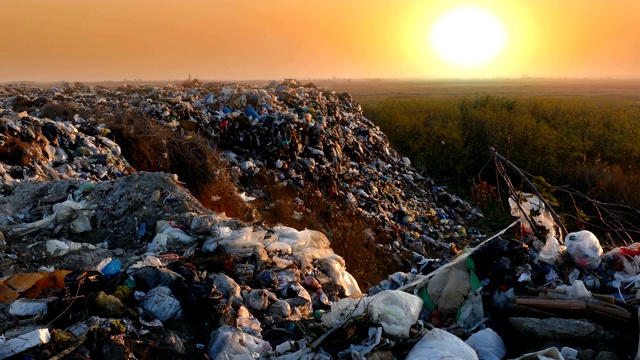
99	261
35	149
296	134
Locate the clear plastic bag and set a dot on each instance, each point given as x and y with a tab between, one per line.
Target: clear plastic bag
584	249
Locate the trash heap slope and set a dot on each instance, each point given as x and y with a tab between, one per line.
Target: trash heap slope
305	138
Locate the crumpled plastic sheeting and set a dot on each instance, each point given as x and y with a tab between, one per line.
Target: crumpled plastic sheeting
333	265
471	314
533	209
56	247
395	310
449	287
69	211
164	234
229	343
361	350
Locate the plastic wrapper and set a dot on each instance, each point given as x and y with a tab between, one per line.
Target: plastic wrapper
471	314
161	303
69	212
532	209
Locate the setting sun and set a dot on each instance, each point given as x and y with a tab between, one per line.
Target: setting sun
468	36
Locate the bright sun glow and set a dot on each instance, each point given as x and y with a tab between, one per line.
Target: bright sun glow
468	36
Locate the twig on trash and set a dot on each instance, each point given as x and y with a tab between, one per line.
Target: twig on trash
348	317
618	219
70	349
515	195
70	304
533	189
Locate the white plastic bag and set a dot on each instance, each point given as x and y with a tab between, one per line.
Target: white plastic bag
333	265
532	209
487	344
449	287
229	343
395	310
584	249
439	344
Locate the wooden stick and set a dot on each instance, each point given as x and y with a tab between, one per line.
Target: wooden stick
74	346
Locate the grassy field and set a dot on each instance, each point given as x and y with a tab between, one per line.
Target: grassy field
578	135
366	91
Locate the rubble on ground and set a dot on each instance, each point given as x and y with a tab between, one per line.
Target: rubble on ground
100	261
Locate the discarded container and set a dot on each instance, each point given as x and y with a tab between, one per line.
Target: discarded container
109	267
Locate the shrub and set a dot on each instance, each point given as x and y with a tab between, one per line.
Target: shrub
151	147
65	111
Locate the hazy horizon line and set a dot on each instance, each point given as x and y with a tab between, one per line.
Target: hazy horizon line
314	79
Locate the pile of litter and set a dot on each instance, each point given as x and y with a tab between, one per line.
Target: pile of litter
99	261
295	134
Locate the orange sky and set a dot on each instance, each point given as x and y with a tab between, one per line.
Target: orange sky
84	40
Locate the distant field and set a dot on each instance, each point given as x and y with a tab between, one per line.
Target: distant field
371	90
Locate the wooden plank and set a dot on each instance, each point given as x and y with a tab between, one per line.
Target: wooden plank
547	303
